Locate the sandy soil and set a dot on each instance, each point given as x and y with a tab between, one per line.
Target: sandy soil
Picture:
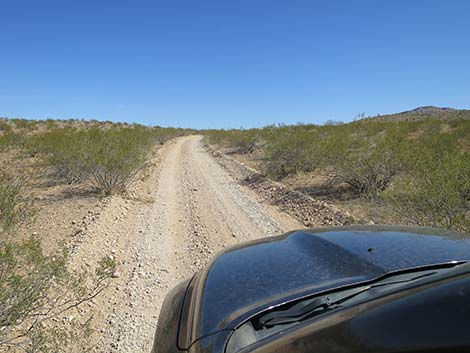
185	211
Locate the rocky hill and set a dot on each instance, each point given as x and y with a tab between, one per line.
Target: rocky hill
424	113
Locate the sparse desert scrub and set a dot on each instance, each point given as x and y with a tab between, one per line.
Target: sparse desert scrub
8	137
242	141
419	167
35	288
290	150
16	205
108	158
42	288
436	188
367	163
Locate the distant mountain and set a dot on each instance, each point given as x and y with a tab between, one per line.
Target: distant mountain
429	110
424	113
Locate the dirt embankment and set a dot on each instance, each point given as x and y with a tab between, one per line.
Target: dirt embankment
307	210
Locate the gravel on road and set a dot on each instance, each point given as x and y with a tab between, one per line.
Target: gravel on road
187	210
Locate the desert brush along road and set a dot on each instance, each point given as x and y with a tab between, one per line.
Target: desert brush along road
187	209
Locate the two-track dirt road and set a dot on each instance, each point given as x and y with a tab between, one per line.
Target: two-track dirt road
195	210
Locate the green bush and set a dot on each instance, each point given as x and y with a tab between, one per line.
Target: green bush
35	289
8	137
114	157
243	141
289	151
25	124
108	158
15	204
422	166
63	149
367	163
436	189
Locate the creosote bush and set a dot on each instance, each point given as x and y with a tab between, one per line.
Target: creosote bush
286	151
367	164
8	137
107	155
38	291
420	166
16	206
243	141
35	289
436	189
108	158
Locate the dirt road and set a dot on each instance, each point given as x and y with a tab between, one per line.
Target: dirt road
188	210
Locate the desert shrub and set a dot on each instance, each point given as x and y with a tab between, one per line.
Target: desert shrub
163	134
368	173
421	165
216	137
242	141
50	124
35	289
245	143
360	155
290	150
436	189
15	203
109	158
366	162
63	149
114	157
8	137
25	124
4	126
332	122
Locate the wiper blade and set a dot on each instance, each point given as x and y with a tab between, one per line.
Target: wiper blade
419	276
306	309
314	306
296	313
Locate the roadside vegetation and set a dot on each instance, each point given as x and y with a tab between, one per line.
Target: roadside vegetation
416	170
35	289
108	159
419	169
106	156
39	292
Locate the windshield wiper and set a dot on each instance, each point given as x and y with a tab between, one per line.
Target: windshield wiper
314	306
306	309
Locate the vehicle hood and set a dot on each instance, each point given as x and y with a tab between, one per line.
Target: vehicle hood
248	278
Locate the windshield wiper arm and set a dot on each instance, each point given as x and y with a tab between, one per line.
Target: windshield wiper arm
305	309
311	307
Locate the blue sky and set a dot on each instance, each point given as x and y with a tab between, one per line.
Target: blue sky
219	63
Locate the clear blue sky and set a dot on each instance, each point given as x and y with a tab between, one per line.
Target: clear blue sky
235	63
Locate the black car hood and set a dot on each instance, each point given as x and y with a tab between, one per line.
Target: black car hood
245	279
